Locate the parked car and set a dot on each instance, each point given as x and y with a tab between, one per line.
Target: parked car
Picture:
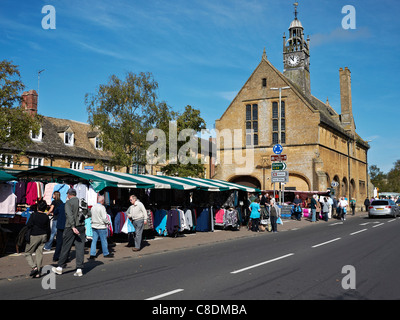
383	207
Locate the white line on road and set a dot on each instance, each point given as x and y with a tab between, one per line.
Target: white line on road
358	232
378	225
392	220
262	263
335	224
321	244
165	294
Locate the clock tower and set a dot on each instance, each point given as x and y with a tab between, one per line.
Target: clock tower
296	55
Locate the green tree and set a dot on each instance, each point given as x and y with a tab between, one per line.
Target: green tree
378	178
393	178
187	161
124	111
15	123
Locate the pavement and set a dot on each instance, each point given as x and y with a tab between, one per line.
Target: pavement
14	266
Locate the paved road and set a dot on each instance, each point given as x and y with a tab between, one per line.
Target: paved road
297	264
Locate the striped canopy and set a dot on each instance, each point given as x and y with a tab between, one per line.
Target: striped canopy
101	179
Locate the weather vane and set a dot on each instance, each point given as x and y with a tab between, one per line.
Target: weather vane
296	4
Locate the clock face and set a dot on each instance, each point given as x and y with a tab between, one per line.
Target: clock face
293	60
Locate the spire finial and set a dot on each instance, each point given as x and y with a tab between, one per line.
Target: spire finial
264	54
296	4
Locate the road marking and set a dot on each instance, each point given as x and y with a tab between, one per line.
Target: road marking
165	294
378	225
358	232
334	224
392	220
321	244
262	263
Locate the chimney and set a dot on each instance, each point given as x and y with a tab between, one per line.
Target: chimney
345	99
30	102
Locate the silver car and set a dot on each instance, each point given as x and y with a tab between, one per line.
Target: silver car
383	207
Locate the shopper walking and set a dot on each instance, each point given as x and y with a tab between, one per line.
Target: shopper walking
343	205
100	224
39	232
74	233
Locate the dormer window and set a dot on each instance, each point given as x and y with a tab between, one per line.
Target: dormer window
69	138
98	143
36	137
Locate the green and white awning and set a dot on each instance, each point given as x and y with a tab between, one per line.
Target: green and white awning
101	179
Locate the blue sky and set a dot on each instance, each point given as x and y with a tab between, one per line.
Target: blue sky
201	52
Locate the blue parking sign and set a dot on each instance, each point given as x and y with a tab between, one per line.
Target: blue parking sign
277	149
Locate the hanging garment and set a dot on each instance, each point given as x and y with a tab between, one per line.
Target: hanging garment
173	224
31	193
203	220
48	192
182	221
40	189
81	191
119	221
150	221
91	197
20	192
160	222
110	230
189	219
62	189
88	228
219	217
231	218
8	199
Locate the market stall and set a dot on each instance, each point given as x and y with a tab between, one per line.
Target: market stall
175	205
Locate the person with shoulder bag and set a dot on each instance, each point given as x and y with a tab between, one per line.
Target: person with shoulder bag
274	215
38	234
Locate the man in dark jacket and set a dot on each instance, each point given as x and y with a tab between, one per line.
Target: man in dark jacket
74	232
366	204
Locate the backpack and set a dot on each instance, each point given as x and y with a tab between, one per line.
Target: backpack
83	212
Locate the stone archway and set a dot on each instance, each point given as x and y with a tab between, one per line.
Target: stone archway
353	190
338	187
344	188
247	181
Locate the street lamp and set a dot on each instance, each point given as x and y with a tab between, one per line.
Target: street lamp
279	111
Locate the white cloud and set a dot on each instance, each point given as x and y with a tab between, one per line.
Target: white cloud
340	35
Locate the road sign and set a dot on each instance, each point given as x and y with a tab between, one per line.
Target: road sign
334	184
280	176
279	166
278	157
277	149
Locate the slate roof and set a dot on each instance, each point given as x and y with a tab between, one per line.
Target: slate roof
52	142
